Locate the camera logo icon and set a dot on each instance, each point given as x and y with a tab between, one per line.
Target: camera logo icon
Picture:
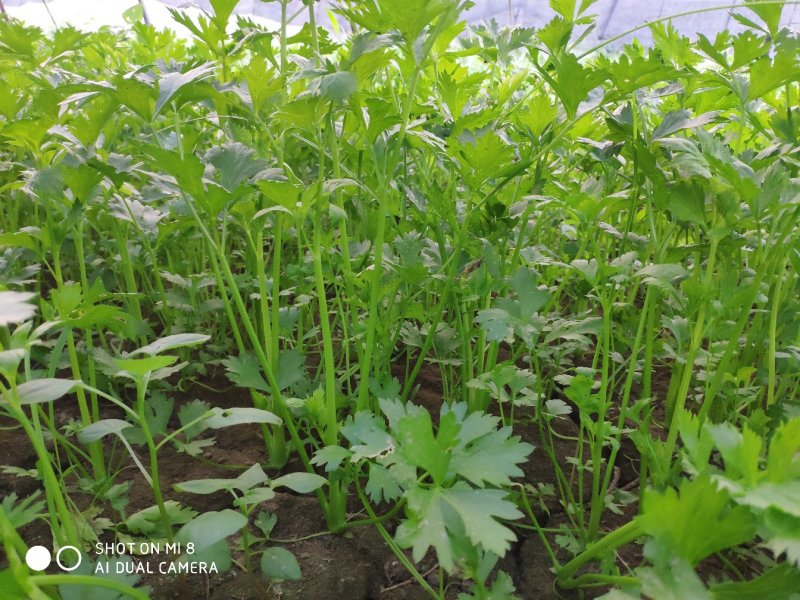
38	558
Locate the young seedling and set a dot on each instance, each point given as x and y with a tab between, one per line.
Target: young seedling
249	490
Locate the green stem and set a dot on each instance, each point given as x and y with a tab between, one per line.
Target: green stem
331	432
336	504
129	277
189	425
65	529
274	439
377	269
277	242
398	552
95	448
597	502
88	581
165	308
378	519
627	533
155	484
773	327
539	531
677	404
282	409
643	319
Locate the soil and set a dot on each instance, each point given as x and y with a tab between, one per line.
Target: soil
352	566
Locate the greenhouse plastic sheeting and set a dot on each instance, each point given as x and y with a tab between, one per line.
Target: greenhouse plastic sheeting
614	16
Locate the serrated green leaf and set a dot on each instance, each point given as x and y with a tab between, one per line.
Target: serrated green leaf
291	368
172	83
420	447
687	203
330	457
664	273
678	120
781	533
740	450
769	13
565	8
234	163
245	371
192	411
784	496
222	12
772	585
363	43
381	486
768	74
695	521
492	458
425	527
136	95
337	87
782	461
148	521
496	323
367	436
525	284
574	82
23	512
478	510
675	581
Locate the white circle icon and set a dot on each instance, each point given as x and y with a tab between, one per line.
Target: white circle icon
58	558
38	558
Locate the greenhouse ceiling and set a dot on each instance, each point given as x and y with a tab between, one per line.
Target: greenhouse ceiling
615	16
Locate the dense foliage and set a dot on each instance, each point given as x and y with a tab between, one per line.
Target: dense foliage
560	235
